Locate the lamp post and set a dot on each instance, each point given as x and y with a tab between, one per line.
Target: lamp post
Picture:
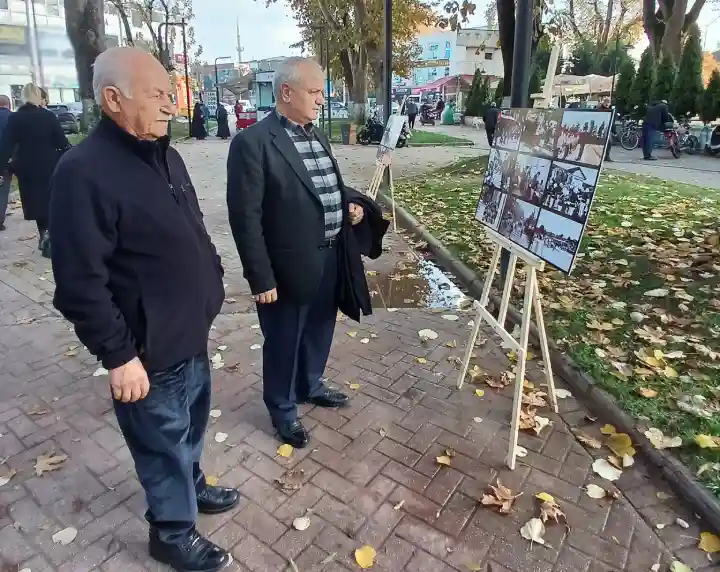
387	72
217	87
165	57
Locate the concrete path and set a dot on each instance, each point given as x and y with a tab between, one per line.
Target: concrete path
370	475
693	169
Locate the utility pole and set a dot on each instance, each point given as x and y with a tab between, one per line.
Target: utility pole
387	73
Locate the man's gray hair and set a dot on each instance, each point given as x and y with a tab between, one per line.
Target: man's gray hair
289	71
109	70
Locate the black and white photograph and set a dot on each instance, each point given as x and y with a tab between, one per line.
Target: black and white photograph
556	240
490	206
540	132
518	221
501	165
529	177
582	136
509	129
570	190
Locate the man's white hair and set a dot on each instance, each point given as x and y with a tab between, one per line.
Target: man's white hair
289	71
110	70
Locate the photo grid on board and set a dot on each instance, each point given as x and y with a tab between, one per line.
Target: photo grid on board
541	179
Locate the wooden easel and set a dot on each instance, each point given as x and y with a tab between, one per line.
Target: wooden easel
531	301
377	178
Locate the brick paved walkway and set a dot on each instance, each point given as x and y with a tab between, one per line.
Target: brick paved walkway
369	476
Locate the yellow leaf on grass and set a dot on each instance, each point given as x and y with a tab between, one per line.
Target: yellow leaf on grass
443	460
479	392
709	543
545	497
670	372
211	481
608	429
354	386
285	450
707	441
365	557
647	392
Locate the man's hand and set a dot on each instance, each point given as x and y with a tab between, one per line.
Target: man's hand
129	382
356	213
266	297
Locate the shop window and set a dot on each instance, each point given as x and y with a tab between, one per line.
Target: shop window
447	72
447	51
433	51
488	55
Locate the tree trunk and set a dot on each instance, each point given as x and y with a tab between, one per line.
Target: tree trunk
506	26
606	26
129	40
672	38
85	24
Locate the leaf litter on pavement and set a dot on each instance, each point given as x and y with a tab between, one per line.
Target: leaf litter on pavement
640	312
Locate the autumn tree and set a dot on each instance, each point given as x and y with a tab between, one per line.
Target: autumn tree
601	23
667	22
665	81
689	84
644	83
710	99
624	85
158	37
85	24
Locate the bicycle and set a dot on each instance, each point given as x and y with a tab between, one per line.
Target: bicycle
630	135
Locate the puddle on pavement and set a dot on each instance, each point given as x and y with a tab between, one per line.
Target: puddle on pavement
414	284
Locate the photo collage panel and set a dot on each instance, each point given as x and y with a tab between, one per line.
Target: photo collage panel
541	178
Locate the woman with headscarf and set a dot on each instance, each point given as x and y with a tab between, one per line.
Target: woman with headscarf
198	122
223	130
34	140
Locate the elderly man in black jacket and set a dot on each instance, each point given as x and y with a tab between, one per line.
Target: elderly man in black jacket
138	276
287	205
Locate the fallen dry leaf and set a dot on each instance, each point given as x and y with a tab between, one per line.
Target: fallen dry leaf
427	334
586	439
285	450
479	392
620	444
709	543
301	523
47	463
647	392
550	510
354	386
500	498
657	293
603	468
215	413
533	530
562	394
291	480
399	505
443	460
678	566
661	441
65	536
707	441
595	492
365	557
5	479
607	429
100	372
352	334
220	437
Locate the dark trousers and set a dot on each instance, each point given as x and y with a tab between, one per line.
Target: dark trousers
490	132
649	135
411	120
297	345
164	433
4	196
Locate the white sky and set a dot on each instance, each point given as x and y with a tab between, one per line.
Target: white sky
268	32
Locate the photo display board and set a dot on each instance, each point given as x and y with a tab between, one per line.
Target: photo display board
390	136
541	178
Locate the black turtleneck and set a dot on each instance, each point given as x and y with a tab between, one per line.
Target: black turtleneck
135	269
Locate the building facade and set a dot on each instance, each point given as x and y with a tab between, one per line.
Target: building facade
34	47
478	48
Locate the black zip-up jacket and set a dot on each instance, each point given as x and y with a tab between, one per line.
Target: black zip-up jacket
135	270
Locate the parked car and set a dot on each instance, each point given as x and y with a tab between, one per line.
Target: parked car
68	121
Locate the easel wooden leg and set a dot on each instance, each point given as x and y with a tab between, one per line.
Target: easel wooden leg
540	320
478	317
507	290
392	197
521	361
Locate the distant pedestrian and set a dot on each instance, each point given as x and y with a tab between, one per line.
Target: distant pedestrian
223	130
33	138
7	175
656	118
412	111
491	119
198	122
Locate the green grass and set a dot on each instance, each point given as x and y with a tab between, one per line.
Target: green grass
419	136
643	234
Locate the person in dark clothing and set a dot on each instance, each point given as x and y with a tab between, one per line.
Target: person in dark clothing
33	138
440	107
140	280
604	105
287	207
412	111
656	117
6	178
490	119
198	122
223	130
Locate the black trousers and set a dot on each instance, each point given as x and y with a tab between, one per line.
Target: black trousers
490	132
297	344
411	120
164	433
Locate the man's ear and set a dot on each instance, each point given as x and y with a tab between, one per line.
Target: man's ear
111	96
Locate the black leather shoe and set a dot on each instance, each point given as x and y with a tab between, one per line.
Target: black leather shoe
330	398
293	433
193	554
214	500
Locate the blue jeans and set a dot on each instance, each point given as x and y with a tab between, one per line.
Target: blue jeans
164	433
649	135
